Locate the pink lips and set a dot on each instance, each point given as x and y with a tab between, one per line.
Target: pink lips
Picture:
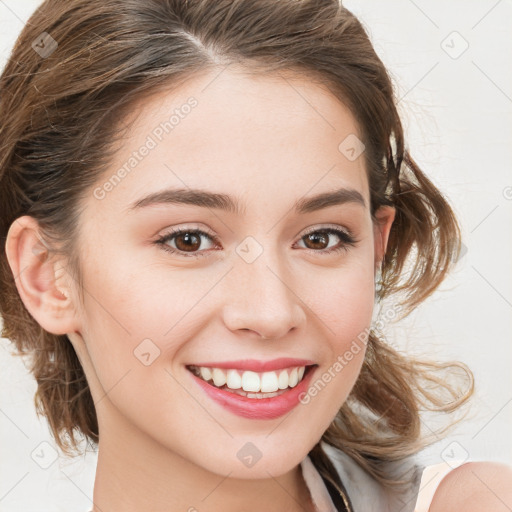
258	408
258	366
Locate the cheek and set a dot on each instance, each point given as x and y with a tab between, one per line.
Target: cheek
138	317
343	309
344	301
132	354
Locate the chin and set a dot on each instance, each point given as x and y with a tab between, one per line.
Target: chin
248	459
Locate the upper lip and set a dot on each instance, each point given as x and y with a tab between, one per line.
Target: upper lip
256	365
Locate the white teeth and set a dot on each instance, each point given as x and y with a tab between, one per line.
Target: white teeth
252	382
293	378
206	374
269	382
219	377
233	380
283	379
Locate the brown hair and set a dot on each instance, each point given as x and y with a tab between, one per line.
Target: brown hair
60	116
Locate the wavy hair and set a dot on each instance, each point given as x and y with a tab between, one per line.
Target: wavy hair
60	113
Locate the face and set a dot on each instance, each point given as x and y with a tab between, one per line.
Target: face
267	283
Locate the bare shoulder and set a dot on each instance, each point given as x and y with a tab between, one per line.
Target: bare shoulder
475	486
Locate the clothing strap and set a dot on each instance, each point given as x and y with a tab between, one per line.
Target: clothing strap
342	503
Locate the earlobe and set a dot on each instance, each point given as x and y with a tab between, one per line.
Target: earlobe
36	277
385	215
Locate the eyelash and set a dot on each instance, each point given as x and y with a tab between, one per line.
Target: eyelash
347	240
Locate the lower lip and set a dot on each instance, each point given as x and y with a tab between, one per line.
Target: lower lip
257	408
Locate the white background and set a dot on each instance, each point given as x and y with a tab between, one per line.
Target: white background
457	111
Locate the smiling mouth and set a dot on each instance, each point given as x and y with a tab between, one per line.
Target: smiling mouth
252	384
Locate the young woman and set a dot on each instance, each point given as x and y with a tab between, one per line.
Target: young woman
202	202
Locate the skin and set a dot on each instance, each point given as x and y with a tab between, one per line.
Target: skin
164	445
475	486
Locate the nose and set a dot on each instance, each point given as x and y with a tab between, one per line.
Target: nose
262	300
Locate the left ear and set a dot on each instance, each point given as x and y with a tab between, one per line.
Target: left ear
385	215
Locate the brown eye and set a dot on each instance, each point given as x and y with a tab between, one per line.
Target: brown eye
318	240
186	241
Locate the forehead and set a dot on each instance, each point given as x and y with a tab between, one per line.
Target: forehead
260	138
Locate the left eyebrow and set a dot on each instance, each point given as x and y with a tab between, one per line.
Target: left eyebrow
206	199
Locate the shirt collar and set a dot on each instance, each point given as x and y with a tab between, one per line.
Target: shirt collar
317	489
